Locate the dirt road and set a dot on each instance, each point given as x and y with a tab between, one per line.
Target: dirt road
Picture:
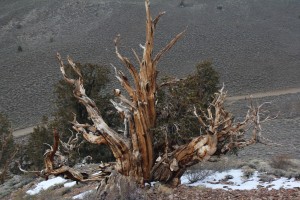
26	131
265	94
22	132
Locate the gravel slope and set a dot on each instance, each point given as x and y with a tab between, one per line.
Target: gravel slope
255	45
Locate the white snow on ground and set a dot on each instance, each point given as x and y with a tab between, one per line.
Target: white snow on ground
44	185
81	195
97	173
70	184
239	182
215	180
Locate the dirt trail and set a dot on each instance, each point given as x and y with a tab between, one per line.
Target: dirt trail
26	131
265	94
22	132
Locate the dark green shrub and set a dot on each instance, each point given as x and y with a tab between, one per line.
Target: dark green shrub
96	78
20	49
35	148
176	103
8	149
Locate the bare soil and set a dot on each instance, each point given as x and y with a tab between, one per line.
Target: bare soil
185	192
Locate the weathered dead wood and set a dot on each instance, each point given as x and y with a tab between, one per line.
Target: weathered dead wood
134	149
89	132
171	82
221	134
55	164
119	145
72	144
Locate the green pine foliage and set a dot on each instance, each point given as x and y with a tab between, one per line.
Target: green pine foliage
36	147
176	103
96	78
6	140
7	147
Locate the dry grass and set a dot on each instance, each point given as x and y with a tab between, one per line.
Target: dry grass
279	166
199	172
202	170
281	162
194	175
248	171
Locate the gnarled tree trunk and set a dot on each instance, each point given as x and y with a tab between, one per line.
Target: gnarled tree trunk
134	149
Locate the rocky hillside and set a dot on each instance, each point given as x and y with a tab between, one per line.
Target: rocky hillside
255	45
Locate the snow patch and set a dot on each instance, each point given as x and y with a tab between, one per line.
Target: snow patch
81	195
44	185
238	182
97	173
70	184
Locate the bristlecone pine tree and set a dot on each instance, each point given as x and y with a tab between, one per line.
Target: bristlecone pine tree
133	150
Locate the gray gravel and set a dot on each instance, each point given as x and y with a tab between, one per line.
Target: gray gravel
255	45
13	184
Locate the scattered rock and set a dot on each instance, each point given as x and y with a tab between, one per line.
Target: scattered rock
227	177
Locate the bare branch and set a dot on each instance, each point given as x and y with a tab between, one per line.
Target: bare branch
74	66
88	136
124	81
62	69
171	82
55	145
25	171
72	144
127	63
155	21
167	47
137	57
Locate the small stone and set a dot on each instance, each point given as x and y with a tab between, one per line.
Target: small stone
228	177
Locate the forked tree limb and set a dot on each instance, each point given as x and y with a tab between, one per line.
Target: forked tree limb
167	47
157	18
128	64
118	144
72	143
88	132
